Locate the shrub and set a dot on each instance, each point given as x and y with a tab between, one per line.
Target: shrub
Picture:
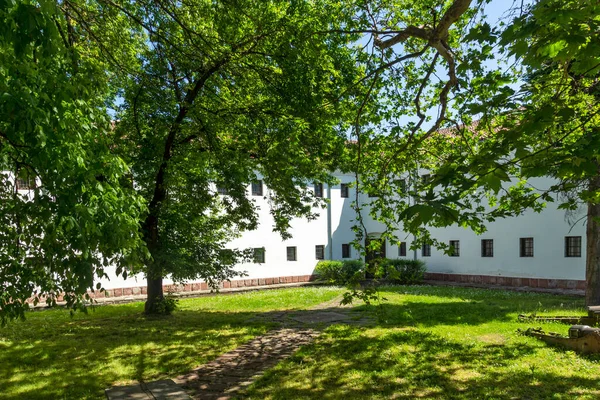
402	271
340	272
167	304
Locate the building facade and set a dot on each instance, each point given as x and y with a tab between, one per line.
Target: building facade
535	249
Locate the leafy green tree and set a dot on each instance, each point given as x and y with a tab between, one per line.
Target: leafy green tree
537	116
551	126
75	217
222	94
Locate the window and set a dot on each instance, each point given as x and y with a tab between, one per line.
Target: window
572	246
25	181
403	185
259	255
320	252
455	248
221	190
257	188
346	250
318	190
402	249
345	191
425	179
426	250
487	247
526	247
291	253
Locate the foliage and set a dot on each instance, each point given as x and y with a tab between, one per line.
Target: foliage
223	95
205	94
340	272
167	304
399	271
79	218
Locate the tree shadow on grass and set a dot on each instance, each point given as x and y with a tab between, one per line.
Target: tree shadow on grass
408	364
78	359
50	357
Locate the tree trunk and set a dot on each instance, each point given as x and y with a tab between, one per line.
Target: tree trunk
154	273
592	267
155	295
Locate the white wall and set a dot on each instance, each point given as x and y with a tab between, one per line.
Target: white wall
548	229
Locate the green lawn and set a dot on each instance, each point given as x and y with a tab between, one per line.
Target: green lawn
435	342
441	343
54	356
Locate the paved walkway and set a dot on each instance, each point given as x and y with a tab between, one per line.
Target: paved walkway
230	373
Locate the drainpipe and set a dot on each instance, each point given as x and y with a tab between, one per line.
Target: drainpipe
329	238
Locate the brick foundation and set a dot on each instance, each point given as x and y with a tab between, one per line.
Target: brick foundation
194	287
508	281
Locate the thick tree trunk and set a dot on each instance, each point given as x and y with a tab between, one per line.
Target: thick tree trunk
592	268
155	295
154	274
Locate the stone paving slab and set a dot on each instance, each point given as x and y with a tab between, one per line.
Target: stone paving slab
225	376
326	317
164	389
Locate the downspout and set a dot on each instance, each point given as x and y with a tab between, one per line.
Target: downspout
329	234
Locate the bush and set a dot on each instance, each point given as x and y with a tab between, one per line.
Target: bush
404	272
340	272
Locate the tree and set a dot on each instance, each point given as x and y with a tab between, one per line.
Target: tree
78	217
551	127
548	126
222	94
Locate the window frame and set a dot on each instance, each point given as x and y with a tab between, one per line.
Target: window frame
573	250
526	250
258	184
346	250
455	248
487	251
402	249
294	254
426	250
344	190
318	189
320	251
259	255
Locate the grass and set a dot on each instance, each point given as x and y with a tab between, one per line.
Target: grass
440	343
52	355
434	342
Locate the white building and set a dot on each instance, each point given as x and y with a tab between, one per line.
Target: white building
535	249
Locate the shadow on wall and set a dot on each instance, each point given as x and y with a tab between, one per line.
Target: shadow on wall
343	218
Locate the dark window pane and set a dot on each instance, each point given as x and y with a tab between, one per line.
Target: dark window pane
345	190
573	246
318	190
346	250
320	252
426	250
257	188
455	248
487	248
221	190
291	253
526	247
402	249
259	255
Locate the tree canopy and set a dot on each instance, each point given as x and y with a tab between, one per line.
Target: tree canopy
55	135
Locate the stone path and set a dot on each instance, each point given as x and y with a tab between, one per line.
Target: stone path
230	373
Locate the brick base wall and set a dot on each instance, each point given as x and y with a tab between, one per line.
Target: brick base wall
194	287
508	281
